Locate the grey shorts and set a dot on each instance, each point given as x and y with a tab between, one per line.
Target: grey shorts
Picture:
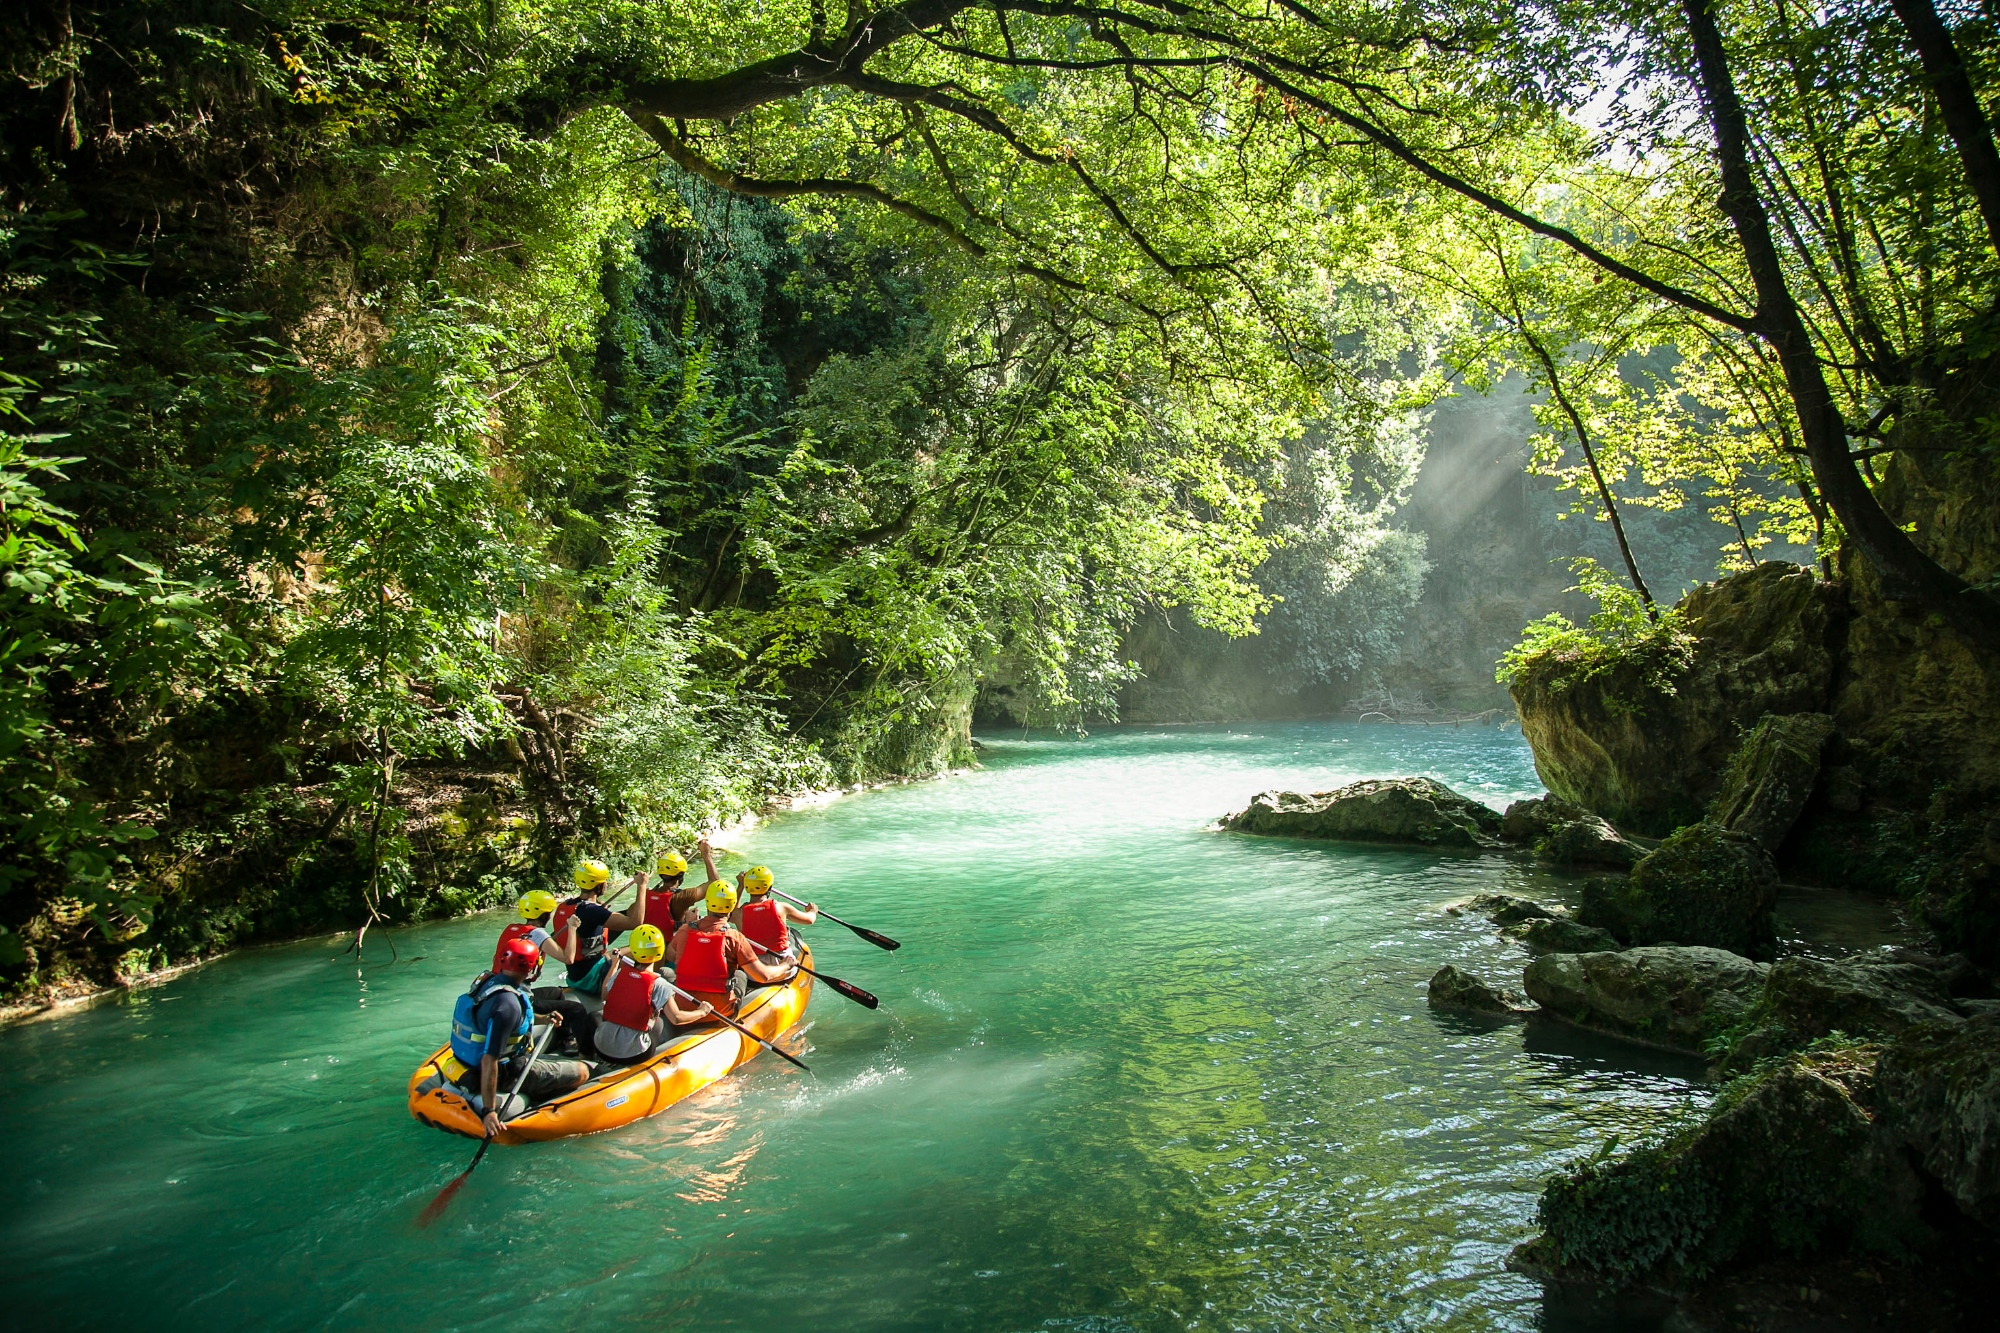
546	1078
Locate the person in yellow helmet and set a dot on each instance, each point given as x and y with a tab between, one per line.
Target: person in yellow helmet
586	926
763	919
664	903
641	1010
535	909
713	961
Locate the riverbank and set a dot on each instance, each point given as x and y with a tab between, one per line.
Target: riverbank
56	1000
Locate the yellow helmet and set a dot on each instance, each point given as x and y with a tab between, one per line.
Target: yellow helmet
670	863
757	879
648	945
720	897
536	904
589	873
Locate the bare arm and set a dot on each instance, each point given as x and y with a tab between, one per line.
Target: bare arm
708	862
489	1092
800	916
754	967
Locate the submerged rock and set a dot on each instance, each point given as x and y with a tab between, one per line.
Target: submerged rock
1398	810
1939	1089
1867	997
1771	776
1561	935
1674	997
1704	885
1453	989
1644	741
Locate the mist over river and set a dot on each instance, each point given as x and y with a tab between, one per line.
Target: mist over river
1129	1074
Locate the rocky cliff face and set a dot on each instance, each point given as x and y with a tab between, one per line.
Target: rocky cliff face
1907	800
1647	753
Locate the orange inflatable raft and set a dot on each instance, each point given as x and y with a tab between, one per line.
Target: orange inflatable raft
623	1093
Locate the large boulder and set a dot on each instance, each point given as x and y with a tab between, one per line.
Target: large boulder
1453	989
1397	810
1794	1164
1673	997
1704	885
1868	996
1643	738
1939	1089
1771	776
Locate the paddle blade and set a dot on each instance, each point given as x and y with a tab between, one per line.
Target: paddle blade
880	941
436	1207
851	991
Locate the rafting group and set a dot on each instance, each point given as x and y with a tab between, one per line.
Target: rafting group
708	975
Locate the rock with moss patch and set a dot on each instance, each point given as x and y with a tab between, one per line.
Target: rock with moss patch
1453	989
1529	821
1939	1088
1394	810
1674	997
1588	841
1704	885
1771	776
1566	834
1788	1164
1559	934
1648	752
1507	909
1868	996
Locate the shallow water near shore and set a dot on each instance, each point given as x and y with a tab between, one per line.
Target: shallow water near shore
1129	1074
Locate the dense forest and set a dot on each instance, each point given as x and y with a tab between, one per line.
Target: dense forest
440	438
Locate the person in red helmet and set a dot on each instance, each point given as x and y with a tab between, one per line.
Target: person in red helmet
489	1037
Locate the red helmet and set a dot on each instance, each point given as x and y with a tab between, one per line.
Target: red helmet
520	956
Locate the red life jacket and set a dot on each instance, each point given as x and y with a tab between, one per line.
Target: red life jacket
704	964
518	930
765	925
660	911
564	911
629	1001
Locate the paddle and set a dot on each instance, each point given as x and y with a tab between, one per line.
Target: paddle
878	940
847	988
435	1208
740	1028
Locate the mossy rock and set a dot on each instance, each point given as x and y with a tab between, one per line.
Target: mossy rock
1704	885
1939	1088
1788	1164
1560	935
1806	999
1673	997
1417	811
1771	776
1453	989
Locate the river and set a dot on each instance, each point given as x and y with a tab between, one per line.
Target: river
1129	1074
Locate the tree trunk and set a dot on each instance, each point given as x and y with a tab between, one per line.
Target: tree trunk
1959	103
1907	574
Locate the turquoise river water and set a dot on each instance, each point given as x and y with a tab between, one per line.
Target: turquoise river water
1129	1073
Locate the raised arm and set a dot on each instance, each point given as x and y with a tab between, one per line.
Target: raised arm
708	862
